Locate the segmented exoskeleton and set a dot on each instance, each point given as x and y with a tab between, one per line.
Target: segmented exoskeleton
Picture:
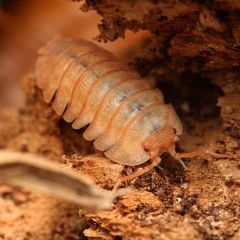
128	120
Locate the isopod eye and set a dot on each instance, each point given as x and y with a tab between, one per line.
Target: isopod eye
175	131
146	148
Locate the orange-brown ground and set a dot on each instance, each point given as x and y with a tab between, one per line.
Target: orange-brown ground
170	203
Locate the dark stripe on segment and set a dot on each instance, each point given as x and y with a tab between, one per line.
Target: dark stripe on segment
71	61
134	118
127	99
85	72
43	86
95	83
109	92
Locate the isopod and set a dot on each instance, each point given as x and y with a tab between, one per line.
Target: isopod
128	120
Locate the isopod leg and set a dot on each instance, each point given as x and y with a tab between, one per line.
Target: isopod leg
140	171
196	154
163	140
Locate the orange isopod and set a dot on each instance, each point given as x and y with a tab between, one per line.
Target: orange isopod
128	120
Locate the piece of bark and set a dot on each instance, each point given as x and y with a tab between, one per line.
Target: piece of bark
38	174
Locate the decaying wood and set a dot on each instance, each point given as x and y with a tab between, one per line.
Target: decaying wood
39	174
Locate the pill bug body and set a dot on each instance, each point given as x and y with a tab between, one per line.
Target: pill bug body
88	85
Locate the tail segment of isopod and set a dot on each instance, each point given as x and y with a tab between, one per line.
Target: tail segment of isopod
55	58
45	66
81	69
46	61
53	61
